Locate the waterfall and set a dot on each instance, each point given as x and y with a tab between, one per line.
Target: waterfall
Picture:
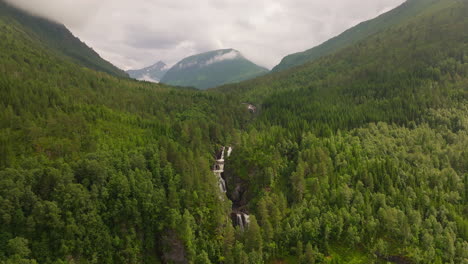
241	218
221	182
222	155
240	221
246	219
218	168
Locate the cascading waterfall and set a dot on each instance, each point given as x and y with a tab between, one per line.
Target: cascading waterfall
222	154
218	169
221	183
246	219
241	218
240	221
229	152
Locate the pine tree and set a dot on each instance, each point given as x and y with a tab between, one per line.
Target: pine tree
309	255
253	236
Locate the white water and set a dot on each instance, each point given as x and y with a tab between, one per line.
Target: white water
246	219
242	219
222	155
221	183
218	169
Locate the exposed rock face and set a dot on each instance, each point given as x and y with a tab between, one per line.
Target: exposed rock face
252	108
238	195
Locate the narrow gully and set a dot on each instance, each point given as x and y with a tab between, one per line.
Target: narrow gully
239	218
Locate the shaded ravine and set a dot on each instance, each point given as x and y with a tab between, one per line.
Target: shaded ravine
238	217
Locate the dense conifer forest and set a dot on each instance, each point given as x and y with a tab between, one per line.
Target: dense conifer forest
357	157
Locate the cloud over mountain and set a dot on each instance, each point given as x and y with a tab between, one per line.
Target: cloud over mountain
133	34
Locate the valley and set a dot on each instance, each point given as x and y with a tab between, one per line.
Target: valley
354	151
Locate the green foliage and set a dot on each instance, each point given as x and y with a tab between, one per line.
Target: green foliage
408	10
367	145
96	169
58	39
358	157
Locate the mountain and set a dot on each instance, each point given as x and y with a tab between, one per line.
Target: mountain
153	73
212	69
87	158
415	47
57	38
407	10
351	140
357	157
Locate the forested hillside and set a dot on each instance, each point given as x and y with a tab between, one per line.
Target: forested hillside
97	169
357	157
368	147
408	10
57	39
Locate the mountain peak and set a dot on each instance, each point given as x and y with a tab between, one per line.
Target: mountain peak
213	68
152	73
208	58
160	65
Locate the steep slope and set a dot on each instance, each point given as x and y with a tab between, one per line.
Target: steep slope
368	147
58	39
413	48
100	169
407	10
357	157
153	73
212	69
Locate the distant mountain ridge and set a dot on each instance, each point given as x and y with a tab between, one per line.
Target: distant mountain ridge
57	38
357	157
153	73
211	69
407	10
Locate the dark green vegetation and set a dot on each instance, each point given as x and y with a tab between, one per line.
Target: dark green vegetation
97	169
153	73
407	10
57	39
357	157
368	146
211	69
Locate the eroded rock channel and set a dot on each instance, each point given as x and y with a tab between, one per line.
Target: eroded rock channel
239	215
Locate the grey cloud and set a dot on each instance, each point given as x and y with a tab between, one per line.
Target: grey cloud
144	37
133	34
73	13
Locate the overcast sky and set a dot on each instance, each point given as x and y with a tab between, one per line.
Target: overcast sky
137	33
